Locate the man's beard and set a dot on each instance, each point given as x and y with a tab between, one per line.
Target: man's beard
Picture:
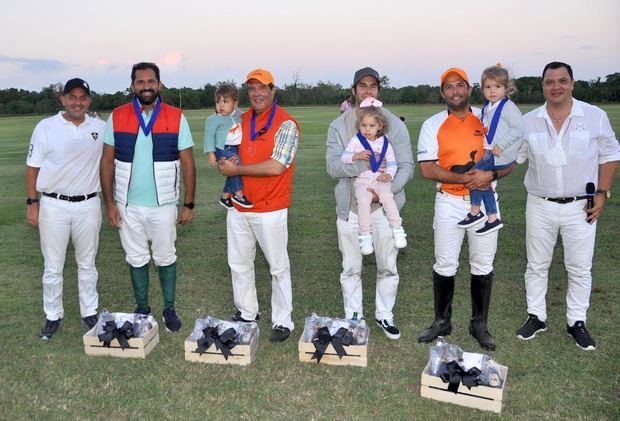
458	105
147	100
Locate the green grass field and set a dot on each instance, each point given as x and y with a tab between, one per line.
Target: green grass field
548	377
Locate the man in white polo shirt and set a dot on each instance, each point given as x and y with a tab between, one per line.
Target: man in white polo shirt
568	144
63	165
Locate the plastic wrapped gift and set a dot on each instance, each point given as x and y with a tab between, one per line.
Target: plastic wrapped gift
334	341
140	323
359	330
222	341
125	335
464	378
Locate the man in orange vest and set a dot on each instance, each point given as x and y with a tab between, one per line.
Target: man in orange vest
267	151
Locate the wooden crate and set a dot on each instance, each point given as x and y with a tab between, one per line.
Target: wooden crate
357	355
479	397
138	347
241	354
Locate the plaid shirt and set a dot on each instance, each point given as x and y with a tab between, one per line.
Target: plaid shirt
286	140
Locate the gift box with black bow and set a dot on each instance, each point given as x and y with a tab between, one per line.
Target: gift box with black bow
334	341
125	335
218	341
469	379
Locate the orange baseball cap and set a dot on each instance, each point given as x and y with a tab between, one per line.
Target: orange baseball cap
457	71
263	76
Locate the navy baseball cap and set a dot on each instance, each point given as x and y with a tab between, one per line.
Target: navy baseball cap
76	83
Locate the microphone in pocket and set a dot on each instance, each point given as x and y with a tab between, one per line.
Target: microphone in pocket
590	189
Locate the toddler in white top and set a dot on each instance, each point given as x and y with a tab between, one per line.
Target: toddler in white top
372	145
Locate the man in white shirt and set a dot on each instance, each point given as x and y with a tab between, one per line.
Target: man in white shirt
63	165
569	144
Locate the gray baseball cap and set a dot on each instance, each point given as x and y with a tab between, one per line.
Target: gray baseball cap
366	71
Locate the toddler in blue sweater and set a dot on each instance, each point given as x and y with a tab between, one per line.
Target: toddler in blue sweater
222	140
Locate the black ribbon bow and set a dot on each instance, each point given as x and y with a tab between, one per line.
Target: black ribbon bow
454	374
111	332
343	337
224	342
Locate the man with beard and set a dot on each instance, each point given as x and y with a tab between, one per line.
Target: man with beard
63	164
267	150
146	143
367	85
450	143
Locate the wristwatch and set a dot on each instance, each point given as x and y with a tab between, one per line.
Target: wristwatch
607	193
31	201
495	175
188	205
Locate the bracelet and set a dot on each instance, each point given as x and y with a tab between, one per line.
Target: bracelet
495	175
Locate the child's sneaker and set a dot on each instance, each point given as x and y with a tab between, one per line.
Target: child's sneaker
366	244
400	238
242	201
490	227
226	202
471	220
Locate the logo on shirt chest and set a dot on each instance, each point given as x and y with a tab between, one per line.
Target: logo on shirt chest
580	126
478	133
95	135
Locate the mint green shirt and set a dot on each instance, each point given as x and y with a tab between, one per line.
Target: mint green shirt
142	190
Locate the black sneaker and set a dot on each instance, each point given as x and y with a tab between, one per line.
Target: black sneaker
226	202
237	318
139	310
51	326
471	220
172	321
242	201
90	321
279	333
581	335
390	330
490	227
531	327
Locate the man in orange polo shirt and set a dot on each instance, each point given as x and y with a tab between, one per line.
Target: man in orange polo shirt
267	151
449	145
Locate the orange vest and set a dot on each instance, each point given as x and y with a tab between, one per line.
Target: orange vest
460	147
272	193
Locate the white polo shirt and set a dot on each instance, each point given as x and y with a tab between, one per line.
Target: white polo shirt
560	165
67	155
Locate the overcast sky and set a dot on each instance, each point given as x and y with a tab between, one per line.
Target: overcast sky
204	41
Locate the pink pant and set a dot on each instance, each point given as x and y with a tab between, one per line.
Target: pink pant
364	198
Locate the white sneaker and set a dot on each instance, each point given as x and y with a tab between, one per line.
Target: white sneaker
366	244
400	238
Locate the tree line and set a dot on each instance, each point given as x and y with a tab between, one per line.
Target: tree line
529	91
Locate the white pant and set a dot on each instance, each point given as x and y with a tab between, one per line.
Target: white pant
270	229
385	256
449	211
544	220
60	220
142	224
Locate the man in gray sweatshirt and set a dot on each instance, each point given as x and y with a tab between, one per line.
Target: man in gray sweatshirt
366	83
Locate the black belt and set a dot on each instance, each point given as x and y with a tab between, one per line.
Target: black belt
79	198
563	200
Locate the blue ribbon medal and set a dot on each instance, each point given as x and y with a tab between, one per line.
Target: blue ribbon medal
136	107
494	120
374	164
253	133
